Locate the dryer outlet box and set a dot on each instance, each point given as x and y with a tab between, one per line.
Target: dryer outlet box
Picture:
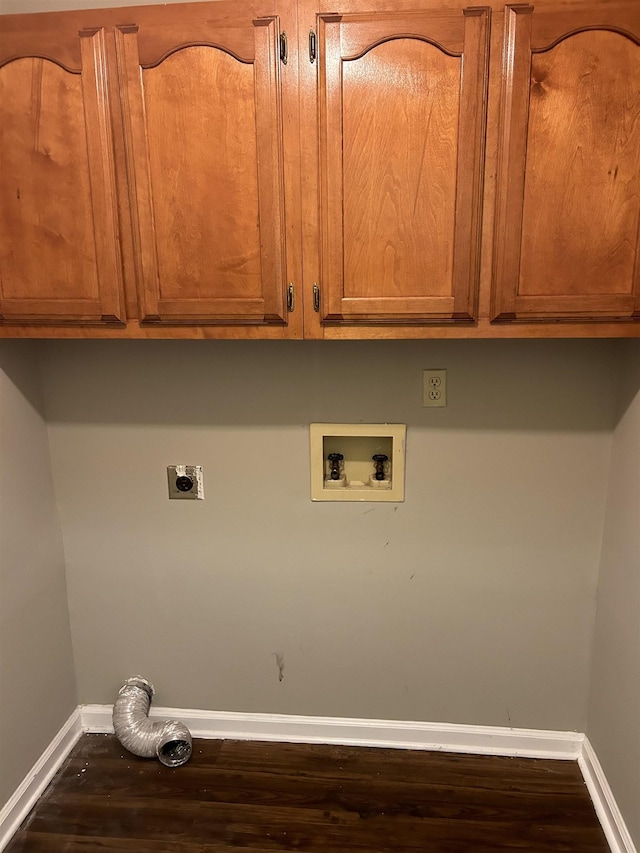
185	482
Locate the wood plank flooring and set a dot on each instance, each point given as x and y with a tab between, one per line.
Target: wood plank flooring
263	797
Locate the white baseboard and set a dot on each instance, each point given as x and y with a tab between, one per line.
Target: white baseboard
479	740
37	779
604	802
482	740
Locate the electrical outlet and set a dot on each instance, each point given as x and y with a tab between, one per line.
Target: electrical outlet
185	482
434	388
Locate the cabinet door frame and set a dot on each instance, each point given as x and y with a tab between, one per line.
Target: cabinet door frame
529	32
82	53
464	34
272	308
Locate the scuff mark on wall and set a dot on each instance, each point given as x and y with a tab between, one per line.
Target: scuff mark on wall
280	664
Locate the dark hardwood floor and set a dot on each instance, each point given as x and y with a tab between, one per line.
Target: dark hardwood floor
258	797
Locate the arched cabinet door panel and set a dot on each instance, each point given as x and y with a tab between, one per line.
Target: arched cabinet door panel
568	203
59	247
402	102
203	126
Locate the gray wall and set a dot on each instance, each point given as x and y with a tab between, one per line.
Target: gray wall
471	602
614	702
37	681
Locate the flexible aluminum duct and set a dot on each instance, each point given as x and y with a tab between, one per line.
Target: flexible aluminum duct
169	740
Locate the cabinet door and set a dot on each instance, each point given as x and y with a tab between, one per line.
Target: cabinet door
402	100
203	124
569	182
59	249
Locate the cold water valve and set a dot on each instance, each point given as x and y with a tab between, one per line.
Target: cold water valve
335	459
379	459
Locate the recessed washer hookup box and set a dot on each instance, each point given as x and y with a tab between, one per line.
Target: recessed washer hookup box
357	462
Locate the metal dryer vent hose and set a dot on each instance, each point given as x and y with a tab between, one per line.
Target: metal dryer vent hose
169	740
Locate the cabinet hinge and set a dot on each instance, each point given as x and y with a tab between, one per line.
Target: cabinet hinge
312	46
316	297
291	300
284	48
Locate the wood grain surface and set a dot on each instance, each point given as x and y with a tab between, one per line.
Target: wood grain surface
580	217
59	251
435	171
567	239
204	152
400	155
259	797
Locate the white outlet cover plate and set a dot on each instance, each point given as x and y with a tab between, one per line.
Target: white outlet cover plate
434	388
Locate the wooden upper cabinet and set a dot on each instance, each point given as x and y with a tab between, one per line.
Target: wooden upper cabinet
203	131
165	173
402	101
568	209
59	248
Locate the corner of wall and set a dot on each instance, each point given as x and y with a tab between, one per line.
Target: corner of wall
37	673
